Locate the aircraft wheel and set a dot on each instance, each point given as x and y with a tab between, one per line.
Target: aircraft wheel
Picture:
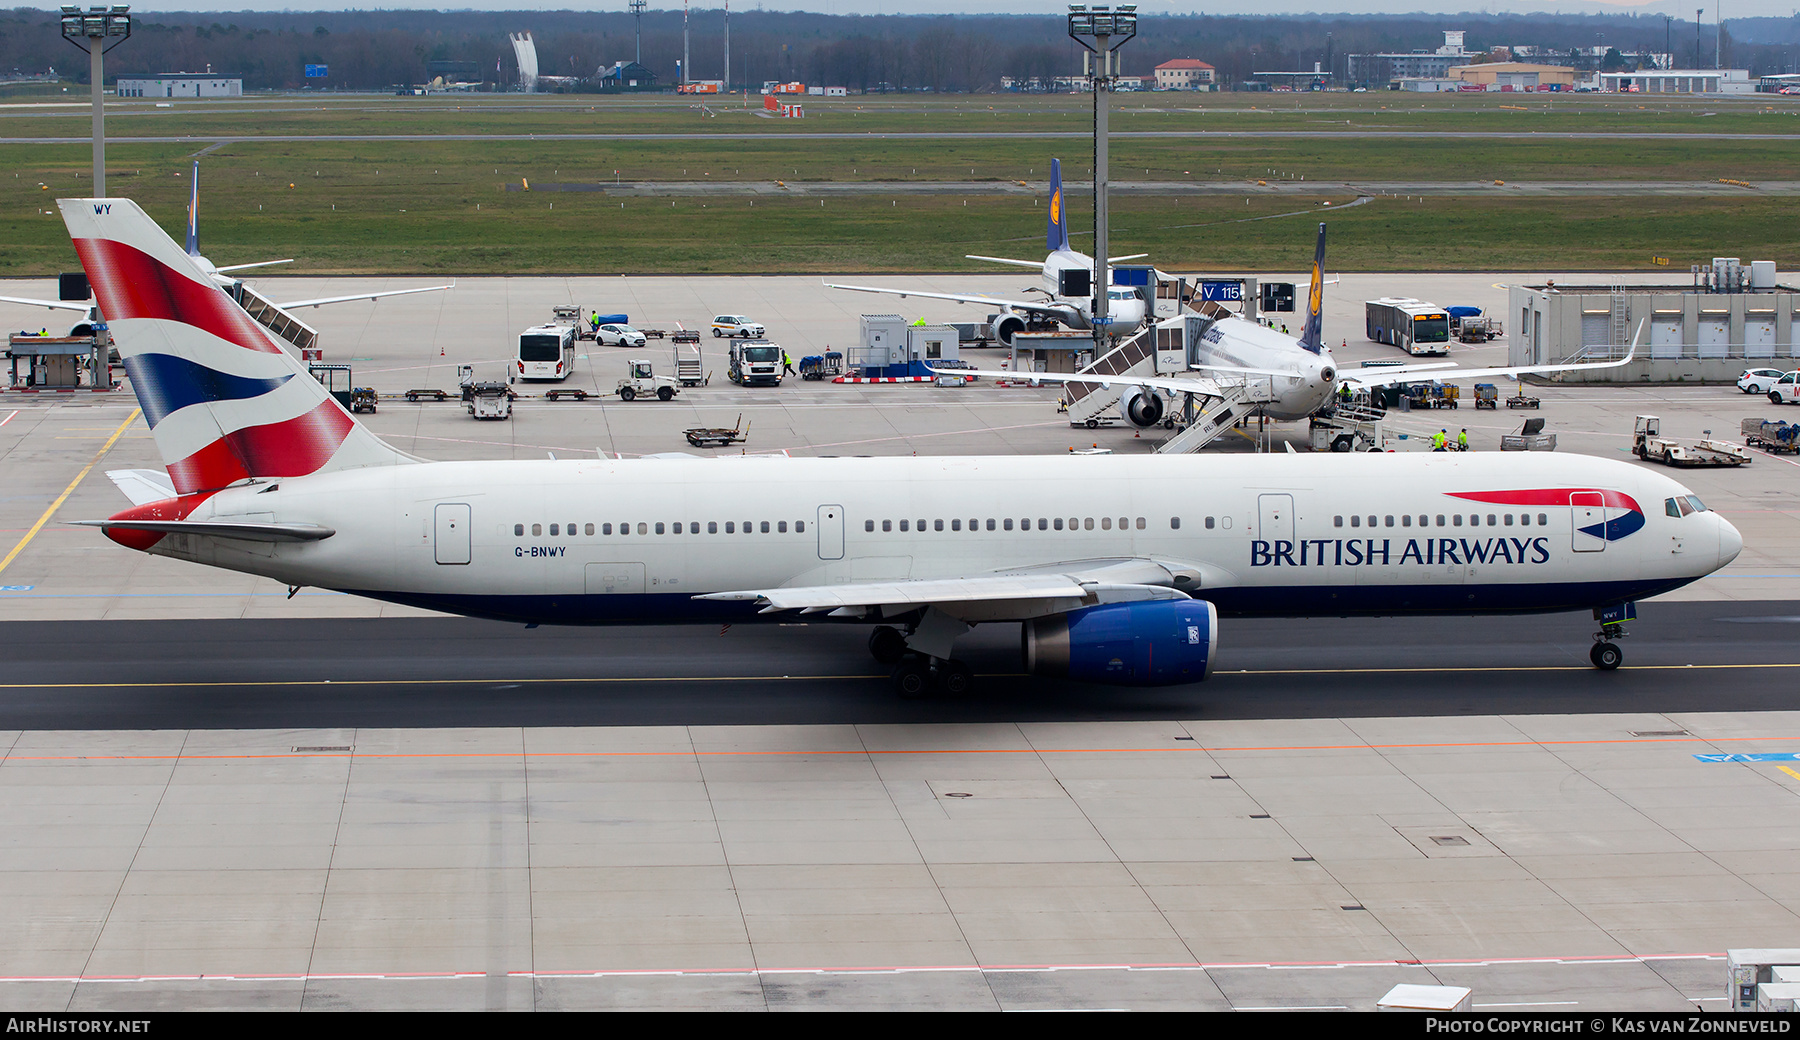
1606	656
627	393
912	678
887	645
664	393
957	678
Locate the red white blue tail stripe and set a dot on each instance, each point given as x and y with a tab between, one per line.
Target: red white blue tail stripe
223	398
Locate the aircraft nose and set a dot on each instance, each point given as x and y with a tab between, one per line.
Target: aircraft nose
1731	542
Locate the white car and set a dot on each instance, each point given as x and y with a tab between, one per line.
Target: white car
1786	390
618	336
738	326
1758	380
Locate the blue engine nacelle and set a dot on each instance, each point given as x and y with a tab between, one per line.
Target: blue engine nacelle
1155	643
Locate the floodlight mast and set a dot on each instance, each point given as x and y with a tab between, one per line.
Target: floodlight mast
89	30
1109	29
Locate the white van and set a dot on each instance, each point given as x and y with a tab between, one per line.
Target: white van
546	352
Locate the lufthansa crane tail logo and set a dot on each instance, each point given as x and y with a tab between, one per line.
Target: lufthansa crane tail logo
1056	207
1315	301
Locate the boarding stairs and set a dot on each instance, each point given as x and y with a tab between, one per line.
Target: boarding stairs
270	316
1220	407
1135	356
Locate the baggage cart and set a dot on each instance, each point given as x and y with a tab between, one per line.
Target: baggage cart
718	437
1771	435
1486	396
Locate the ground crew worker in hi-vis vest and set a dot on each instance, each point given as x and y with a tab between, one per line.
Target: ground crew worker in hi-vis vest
1462	440
1439	439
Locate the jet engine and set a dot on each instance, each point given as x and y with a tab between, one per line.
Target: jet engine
1153	643
1006	326
1141	407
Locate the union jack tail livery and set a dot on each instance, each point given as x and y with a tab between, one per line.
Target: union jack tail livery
224	399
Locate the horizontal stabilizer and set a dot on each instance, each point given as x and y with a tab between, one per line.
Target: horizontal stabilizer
219	529
143	486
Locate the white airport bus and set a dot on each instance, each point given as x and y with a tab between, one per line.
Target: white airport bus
546	352
1419	328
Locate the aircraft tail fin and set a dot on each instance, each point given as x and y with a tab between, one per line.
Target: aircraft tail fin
224	400
1312	337
1057	236
193	228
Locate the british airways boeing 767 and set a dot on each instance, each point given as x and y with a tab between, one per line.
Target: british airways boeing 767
1117	567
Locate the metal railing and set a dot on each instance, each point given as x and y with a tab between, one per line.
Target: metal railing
1687	352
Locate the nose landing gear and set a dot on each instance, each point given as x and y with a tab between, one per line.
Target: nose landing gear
1606	654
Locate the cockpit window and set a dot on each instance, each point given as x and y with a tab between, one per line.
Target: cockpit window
1682	505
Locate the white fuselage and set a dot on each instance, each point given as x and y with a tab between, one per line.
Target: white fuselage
1239	343
1272	535
1124	308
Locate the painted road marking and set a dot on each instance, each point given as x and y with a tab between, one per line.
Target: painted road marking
64	497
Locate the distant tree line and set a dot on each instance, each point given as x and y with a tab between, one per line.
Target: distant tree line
375	50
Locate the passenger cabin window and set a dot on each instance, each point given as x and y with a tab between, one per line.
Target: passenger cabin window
1174	523
518	530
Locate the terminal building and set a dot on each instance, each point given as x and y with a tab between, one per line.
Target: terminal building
1732	317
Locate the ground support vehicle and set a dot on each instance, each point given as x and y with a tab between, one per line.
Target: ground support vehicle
1417	327
1519	400
570	315
417	395
1349	427
1785	390
1531	437
339	381
690	367
1486	396
737	326
755	362
1648	443
828	365
641	381
1478	330
1759	380
1434	395
489	400
718	436
573	392
1771	435
618	334
546	352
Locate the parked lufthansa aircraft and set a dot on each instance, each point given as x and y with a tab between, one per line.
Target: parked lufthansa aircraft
1117	567
1066	280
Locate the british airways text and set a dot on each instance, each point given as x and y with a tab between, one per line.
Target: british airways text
1353	552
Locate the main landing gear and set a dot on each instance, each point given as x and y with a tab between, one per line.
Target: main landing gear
916	674
1606	654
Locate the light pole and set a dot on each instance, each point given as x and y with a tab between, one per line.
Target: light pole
637	15
1109	30
89	30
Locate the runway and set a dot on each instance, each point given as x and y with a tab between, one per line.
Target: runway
451	672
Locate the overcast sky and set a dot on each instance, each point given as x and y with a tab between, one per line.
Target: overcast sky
1680	8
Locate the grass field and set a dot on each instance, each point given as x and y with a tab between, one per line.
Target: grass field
441	206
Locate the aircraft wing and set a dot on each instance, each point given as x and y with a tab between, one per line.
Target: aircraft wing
1033	264
361	296
1017	594
259	263
1409	373
1185	385
55	305
1029	306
